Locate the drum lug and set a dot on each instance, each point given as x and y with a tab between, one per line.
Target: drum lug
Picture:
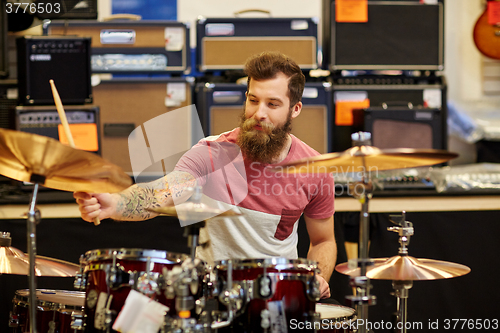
265	319
117	277
265	287
313	292
13	320
80	281
77	321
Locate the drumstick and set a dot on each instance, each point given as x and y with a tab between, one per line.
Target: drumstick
64	121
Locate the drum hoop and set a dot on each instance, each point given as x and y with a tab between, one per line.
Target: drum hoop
21	297
272	262
136	254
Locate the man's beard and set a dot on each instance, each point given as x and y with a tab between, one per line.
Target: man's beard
263	145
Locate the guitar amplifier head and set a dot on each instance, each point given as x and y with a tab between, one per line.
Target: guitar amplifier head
226	43
147	46
44	120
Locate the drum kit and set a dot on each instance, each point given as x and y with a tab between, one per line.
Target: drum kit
180	293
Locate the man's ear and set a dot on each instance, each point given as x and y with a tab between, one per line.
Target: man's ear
296	109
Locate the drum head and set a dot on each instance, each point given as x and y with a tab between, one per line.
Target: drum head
274	262
334	312
135	254
54	298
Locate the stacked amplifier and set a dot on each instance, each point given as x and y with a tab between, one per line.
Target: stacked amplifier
387	65
137	69
224	44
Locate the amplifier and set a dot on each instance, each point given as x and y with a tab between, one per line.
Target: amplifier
132	46
221	105
226	43
405	127
8	102
126	104
347	98
399	35
44	120
4	59
66	60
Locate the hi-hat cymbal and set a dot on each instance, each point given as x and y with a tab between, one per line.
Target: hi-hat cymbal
407	268
14	261
34	158
193	211
368	158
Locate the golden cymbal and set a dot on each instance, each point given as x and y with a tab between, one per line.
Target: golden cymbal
361	158
193	211
14	261
407	268
34	158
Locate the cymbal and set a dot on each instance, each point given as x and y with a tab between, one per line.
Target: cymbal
193	211
407	268
34	158
14	261
358	158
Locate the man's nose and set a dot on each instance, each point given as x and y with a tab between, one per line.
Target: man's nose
261	112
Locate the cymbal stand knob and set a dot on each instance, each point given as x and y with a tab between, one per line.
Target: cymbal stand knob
361	139
405	231
5	239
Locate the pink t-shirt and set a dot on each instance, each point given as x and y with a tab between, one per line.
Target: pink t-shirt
272	201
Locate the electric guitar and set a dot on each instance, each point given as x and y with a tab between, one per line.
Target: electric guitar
487	36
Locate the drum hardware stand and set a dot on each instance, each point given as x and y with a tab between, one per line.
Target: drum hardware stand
401	288
33	218
362	299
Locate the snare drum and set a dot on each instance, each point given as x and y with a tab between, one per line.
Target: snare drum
110	274
55	310
336	318
272	291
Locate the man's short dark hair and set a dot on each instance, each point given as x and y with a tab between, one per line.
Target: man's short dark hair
267	65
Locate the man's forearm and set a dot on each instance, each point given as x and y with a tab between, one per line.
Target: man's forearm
131	204
325	254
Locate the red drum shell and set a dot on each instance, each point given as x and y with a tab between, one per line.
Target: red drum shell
128	260
54	308
290	278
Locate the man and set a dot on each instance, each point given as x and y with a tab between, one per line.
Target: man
271	202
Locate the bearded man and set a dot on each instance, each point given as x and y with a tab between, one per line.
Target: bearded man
236	168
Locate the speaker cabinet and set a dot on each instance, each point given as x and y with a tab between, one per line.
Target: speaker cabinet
126	104
66	60
226	43
4	60
404	127
420	96
400	35
221	106
8	102
44	120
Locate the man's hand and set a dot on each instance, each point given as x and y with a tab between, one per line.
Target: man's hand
91	206
324	288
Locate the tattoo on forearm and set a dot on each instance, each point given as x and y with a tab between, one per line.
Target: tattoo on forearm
152	195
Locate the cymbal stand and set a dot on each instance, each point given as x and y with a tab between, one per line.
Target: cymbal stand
362	299
401	288
32	220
